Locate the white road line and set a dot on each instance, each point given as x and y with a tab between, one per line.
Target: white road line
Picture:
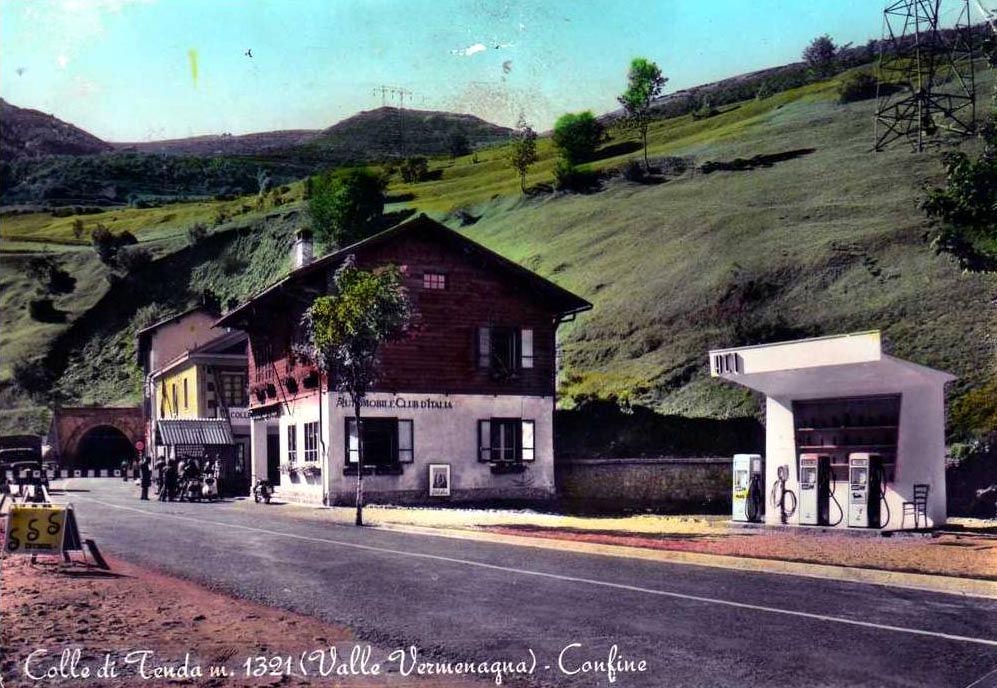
569	579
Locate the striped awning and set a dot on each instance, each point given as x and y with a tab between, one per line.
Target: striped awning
187	431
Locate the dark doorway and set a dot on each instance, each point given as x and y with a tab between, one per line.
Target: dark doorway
273	459
104	447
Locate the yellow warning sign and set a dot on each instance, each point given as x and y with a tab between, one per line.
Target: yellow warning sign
35	529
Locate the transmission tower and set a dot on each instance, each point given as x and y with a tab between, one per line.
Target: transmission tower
395	140
925	72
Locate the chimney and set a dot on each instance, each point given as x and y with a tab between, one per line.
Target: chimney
304	249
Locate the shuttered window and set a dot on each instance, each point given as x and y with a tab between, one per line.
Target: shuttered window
506	440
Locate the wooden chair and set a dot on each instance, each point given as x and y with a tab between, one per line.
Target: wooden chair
917	508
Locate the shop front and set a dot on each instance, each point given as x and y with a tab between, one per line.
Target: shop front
854	437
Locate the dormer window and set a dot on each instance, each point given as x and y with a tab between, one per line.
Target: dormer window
434	280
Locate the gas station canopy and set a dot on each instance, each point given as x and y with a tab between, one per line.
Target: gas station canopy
839	365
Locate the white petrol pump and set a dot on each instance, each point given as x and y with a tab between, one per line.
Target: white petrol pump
866	488
816	491
748	500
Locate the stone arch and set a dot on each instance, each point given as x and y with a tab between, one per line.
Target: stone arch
100	425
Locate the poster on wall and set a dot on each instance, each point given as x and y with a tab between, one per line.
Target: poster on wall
439	480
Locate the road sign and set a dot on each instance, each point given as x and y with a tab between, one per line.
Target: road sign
35	529
139	446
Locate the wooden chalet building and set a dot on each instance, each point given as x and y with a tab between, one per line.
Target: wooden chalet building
462	408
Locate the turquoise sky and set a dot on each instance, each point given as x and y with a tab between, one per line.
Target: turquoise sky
124	69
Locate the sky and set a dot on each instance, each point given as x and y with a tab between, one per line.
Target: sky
139	70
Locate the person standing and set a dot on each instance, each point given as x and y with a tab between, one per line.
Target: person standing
145	476
172	478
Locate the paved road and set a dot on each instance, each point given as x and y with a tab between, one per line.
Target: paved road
462	600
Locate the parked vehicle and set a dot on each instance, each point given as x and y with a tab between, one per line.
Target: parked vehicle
262	490
209	488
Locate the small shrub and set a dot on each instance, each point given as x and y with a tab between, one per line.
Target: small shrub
32	376
220	217
196	233
633	171
414	169
857	87
568	177
77	229
134	259
148	315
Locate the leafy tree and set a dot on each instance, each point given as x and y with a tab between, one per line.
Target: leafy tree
964	212
576	136
644	84
458	144
345	332
78	229
523	152
104	243
821	56
345	205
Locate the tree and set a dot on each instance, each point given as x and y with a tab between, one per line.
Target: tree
458	144
345	205
576	136
523	152
644	84
821	56
964	212
346	329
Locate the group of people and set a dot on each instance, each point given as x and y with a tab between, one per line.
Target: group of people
174	476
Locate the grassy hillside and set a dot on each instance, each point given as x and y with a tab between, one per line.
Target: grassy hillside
815	235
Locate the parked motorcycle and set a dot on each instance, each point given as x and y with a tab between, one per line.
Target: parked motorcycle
262	490
209	490
191	490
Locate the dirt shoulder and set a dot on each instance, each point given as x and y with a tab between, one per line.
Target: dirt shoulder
53	609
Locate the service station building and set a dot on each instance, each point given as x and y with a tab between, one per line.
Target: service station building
855	435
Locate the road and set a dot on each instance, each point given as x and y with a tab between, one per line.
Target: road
465	600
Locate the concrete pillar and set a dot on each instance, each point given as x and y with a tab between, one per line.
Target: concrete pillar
780	450
258	450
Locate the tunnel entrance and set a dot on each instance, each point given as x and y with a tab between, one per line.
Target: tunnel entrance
104	447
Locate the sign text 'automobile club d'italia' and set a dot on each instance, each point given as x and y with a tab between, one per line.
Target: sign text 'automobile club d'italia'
399	402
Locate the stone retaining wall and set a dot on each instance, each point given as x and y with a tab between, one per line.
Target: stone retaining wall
669	485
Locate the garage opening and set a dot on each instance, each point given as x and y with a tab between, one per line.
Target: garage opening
104	447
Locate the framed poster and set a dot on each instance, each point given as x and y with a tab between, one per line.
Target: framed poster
439	480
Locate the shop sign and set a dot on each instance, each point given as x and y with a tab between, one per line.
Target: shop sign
407	403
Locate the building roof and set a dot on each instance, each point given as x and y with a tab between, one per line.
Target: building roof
214	351
838	365
194	431
144	336
564	302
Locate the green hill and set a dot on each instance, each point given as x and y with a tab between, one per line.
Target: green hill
799	230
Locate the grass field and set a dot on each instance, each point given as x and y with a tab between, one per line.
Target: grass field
825	238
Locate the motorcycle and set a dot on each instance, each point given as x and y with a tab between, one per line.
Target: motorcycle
209	490
262	490
191	490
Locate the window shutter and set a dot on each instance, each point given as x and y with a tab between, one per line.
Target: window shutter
484	347
527	439
352	441
405	453
484	441
526	348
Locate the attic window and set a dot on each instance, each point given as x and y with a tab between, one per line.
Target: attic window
434	280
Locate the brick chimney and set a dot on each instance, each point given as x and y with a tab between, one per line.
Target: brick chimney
304	249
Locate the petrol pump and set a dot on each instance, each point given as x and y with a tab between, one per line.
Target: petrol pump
815	490
866	489
748	497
